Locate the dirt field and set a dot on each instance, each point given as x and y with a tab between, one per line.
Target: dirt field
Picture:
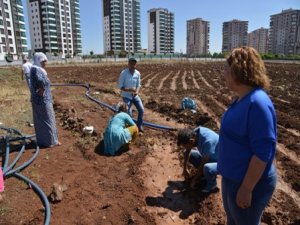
145	185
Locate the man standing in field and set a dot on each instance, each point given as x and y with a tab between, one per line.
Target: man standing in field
130	83
26	66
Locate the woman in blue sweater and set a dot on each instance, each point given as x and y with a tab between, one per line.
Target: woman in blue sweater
247	141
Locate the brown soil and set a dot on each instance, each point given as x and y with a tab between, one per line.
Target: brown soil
144	185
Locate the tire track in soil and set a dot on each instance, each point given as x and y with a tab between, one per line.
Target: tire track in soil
174	79
194	80
161	84
184	84
151	79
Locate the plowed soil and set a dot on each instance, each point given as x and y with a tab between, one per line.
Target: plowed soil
144	185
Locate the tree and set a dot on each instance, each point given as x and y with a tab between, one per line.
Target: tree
91	53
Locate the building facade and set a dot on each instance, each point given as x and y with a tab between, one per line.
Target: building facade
121	26
55	27
12	29
234	34
258	39
160	31
197	37
285	32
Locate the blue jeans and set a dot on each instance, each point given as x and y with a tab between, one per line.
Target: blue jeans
261	195
209	169
137	101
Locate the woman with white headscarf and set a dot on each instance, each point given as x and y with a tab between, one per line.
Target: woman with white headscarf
42	105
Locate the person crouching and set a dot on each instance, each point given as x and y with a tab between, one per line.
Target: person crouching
120	132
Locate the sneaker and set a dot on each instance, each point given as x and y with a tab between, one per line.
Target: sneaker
209	187
141	130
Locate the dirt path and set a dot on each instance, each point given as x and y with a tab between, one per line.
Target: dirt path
173	84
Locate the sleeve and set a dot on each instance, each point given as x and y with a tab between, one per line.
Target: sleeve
206	149
128	120
262	130
121	80
139	81
36	79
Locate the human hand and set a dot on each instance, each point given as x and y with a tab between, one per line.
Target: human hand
186	174
243	198
40	91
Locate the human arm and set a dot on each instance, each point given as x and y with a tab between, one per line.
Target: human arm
262	133
185	172
128	120
199	172
37	81
254	172
122	81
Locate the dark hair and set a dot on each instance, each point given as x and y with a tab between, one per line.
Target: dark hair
122	107
132	60
247	67
185	135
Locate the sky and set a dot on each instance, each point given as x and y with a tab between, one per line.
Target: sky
256	12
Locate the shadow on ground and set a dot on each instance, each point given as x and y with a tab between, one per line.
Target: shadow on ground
178	196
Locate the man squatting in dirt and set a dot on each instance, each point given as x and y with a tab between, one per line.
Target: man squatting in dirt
130	83
201	150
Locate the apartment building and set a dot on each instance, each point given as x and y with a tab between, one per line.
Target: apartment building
12	29
121	26
197	37
160	31
234	34
258	39
55	27
285	32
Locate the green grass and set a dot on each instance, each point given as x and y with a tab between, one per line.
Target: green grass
10	74
14	100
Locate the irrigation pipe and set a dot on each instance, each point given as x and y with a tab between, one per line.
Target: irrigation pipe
9	171
87	93
40	193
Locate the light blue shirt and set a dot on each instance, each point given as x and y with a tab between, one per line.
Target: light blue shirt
208	143
128	80
116	133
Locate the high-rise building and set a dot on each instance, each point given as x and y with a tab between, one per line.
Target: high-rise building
55	27
121	26
160	31
258	39
197	37
285	32
234	34
12	29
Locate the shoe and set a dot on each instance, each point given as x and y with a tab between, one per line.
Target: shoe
209	187
141	130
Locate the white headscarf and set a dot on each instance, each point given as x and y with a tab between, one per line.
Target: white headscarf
38	58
